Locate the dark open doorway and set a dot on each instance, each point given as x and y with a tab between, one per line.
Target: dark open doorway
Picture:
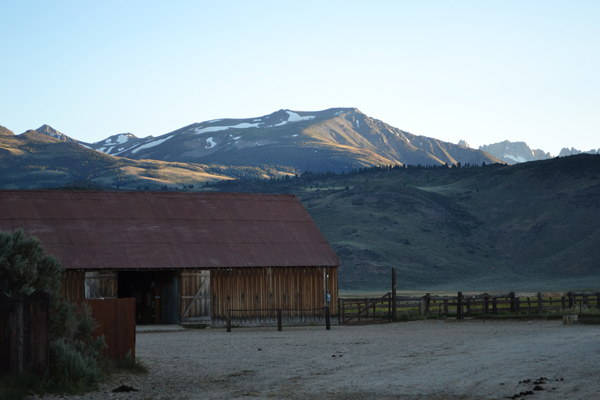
155	294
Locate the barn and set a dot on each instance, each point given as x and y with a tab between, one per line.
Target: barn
187	258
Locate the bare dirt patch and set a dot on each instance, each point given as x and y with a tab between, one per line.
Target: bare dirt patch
415	360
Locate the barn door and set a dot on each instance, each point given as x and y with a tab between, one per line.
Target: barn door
195	297
101	284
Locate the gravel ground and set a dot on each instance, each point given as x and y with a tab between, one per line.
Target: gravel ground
453	359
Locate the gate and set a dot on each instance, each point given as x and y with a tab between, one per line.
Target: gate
366	310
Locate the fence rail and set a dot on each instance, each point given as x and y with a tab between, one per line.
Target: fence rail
272	316
389	306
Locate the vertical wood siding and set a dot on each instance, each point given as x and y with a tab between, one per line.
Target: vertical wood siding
73	285
262	288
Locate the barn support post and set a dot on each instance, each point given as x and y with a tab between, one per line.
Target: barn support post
327	319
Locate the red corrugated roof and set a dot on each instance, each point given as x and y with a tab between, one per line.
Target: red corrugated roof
125	230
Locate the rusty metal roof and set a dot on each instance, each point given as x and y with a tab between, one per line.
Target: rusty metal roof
129	230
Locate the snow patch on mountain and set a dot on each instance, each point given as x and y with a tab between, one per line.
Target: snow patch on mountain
211	143
152	144
243	125
294	117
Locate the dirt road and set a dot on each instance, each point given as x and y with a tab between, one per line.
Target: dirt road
414	360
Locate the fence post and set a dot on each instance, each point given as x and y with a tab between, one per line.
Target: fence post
570	294
228	320
459	306
512	302
446	308
598	299
422	306
279	320
486	302
394	287
529	306
427	303
540	300
327	320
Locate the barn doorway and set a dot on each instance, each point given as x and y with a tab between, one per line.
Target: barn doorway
155	294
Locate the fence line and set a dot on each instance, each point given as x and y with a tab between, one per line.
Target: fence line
382	309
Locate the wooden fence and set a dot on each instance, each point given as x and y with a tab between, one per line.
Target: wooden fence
24	333
390	306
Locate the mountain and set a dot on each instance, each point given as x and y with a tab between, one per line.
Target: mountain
35	160
338	139
514	152
49	131
531	226
5	131
571	152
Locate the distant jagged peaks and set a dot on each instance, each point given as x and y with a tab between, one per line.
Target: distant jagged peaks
514	152
463	143
573	151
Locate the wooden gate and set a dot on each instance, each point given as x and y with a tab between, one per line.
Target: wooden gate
366	310
194	298
101	284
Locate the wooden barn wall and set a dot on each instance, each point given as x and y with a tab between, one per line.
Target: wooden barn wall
72	285
271	288
194	296
101	284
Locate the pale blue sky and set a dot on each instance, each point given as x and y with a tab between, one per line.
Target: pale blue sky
483	71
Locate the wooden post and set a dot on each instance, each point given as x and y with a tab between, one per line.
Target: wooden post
459	306
374	311
228	320
485	307
529	307
518	304
279	320
327	319
422	306
570	299
563	302
427	303
394	288
512	302
540	302
446	307
598	299
486	303
339	310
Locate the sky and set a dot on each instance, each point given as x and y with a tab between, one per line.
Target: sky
482	71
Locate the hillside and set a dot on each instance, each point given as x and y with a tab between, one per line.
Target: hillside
36	160
338	139
530	226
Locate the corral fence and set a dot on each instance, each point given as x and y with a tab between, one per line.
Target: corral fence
390	306
278	317
24	333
